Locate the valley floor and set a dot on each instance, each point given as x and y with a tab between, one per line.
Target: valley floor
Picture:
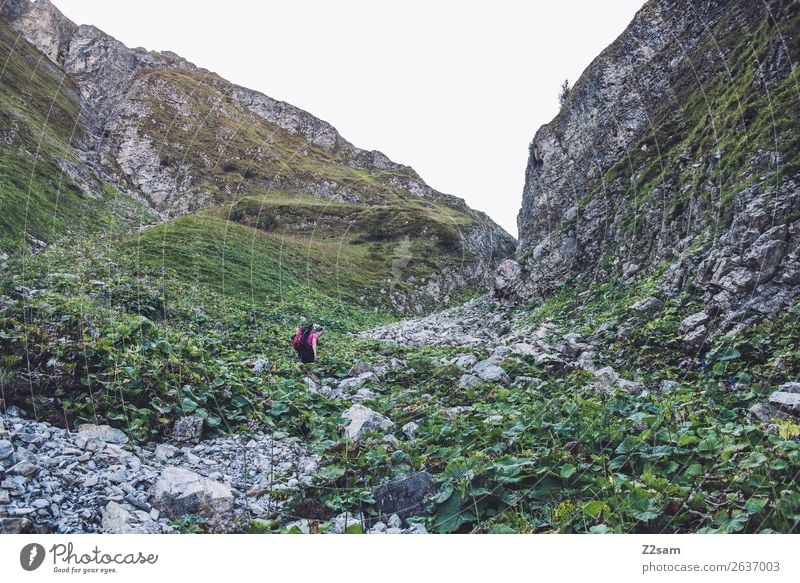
474	419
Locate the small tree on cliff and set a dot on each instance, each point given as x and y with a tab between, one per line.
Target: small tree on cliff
564	93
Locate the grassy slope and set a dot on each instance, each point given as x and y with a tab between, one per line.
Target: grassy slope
261	176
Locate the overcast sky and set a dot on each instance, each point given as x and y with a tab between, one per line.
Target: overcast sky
455	89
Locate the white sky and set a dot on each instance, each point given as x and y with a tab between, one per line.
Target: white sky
455	89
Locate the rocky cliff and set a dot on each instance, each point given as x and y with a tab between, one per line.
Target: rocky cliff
183	140
675	157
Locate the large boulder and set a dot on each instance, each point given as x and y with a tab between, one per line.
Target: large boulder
179	491
364	420
404	497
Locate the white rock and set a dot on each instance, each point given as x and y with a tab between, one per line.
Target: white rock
468	381
489	371
410	428
364	420
787	401
179	491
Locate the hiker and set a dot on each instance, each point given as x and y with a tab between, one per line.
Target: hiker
304	342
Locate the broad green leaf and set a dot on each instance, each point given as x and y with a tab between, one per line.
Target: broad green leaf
567	470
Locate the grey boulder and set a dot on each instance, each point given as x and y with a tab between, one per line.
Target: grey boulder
179	492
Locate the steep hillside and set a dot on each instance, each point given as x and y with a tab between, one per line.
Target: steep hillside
47	190
183	139
675	156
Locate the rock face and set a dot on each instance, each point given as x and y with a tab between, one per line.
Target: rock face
642	174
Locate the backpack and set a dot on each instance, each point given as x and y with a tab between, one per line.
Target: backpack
300	339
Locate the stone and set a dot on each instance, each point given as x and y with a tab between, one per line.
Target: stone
465	361
585	360
647	306
259	365
364	420
15	525
545	359
694	321
188	429
501	350
452	412
24	468
508	280
378	527
360	367
410	428
164	451
363	394
417	528
6	449
606	376
353	384
179	491
468	381
667	386
345	520
793	387
395	521
391	440
487	370
696	337
633	387
312	384
404	497
789	402
767	413
118	519
104	433
523	348
14	411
